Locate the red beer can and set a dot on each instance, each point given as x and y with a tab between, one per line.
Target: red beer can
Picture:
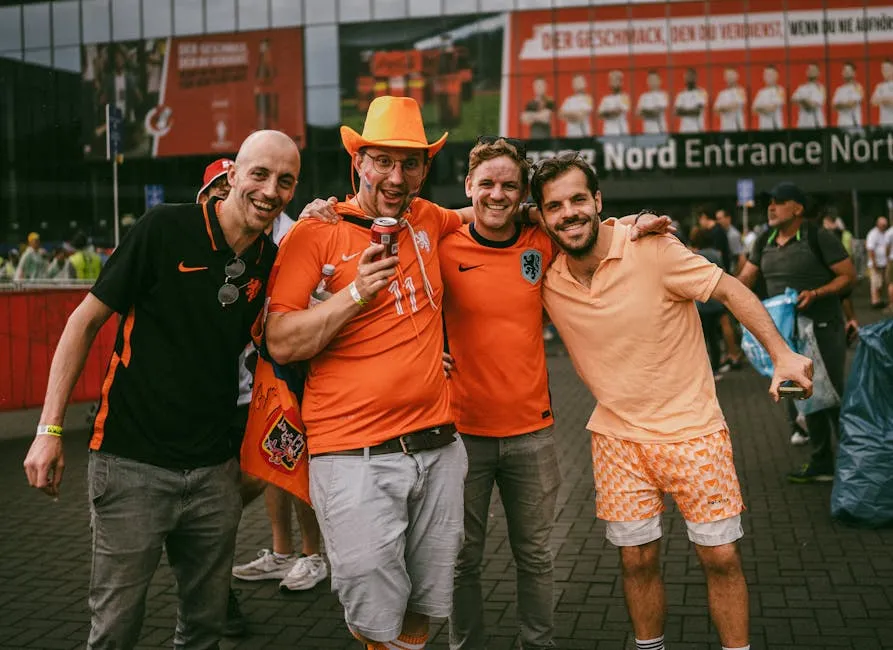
385	231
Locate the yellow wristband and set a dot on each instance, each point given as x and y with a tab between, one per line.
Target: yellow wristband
49	430
355	294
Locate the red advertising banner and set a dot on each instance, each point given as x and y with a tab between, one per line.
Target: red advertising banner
690	67
195	94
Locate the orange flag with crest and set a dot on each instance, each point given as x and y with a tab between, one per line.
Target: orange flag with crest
275	446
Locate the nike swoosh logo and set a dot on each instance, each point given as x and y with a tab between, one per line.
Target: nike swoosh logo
189	269
347	258
463	269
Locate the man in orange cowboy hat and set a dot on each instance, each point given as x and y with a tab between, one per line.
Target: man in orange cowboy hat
386	469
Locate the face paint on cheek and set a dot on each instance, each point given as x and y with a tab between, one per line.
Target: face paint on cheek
367	184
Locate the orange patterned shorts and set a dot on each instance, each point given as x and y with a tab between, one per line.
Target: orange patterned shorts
631	478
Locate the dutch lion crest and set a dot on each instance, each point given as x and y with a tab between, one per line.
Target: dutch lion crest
531	265
283	444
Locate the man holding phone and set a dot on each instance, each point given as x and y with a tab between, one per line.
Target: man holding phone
627	316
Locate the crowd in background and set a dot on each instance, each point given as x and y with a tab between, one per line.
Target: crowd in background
75	259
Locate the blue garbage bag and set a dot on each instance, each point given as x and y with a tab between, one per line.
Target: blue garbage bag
863	481
783	310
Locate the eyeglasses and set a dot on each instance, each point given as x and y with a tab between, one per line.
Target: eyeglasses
384	164
229	293
517	144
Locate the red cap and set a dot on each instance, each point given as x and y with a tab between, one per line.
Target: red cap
214	171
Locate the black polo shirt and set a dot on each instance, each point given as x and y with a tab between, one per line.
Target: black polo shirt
797	265
171	386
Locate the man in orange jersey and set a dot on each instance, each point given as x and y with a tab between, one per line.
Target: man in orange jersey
163	474
492	271
499	387
627	316
386	469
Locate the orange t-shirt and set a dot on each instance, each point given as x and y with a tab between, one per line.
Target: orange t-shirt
635	337
382	375
494	322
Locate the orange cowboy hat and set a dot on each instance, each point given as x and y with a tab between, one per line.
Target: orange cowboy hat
391	122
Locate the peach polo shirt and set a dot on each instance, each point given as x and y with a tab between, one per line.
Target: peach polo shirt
635	337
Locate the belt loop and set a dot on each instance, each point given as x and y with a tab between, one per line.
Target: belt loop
366	454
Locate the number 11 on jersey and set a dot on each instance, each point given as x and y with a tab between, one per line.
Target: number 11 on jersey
409	286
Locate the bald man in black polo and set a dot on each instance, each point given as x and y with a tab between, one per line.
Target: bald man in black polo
188	281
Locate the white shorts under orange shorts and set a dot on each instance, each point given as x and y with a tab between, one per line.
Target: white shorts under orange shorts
631	479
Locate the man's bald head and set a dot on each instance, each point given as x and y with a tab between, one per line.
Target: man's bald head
272	143
264	177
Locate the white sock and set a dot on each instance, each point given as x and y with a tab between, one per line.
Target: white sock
745	647
651	644
282	556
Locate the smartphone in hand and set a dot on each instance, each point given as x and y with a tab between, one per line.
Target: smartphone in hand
792	390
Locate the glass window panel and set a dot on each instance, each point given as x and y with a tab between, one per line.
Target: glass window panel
497	5
534	4
125	20
220	16
156	19
460	6
40	57
188	17
389	9
67	58
287	13
15	56
320	12
354	11
95	16
66	23
253	14
37	25
321	48
322	106
424	7
10	28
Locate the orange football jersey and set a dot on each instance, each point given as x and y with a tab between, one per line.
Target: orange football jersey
494	324
382	375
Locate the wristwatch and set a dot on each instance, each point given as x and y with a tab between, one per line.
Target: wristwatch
643	212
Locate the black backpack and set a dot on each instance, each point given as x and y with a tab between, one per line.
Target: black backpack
812	239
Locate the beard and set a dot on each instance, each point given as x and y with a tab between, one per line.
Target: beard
577	249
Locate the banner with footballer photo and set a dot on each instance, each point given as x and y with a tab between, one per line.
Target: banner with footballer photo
194	95
451	65
692	67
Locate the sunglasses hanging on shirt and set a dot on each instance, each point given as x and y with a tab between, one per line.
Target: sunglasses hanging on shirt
229	293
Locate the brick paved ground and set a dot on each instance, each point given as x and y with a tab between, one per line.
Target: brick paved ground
814	584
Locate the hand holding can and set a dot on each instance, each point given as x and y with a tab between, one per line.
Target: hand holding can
385	231
374	272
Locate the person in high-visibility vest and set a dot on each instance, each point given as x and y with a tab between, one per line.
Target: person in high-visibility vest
84	263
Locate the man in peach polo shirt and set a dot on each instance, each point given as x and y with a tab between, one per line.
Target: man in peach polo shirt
628	318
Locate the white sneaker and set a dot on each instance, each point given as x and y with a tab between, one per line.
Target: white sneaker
307	572
266	567
798	439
